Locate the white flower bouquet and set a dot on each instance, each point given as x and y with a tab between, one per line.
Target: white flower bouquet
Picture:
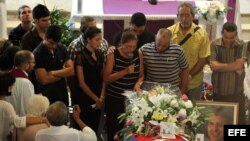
211	11
148	111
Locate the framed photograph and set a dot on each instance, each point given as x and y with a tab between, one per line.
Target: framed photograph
222	113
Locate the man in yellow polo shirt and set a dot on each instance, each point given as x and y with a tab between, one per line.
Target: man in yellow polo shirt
196	48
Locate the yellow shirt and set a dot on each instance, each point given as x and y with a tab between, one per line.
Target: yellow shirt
197	46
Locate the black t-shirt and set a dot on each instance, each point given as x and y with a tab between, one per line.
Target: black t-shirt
16	34
44	59
92	71
31	40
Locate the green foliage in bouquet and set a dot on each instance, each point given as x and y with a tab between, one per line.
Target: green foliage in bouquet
146	110
58	17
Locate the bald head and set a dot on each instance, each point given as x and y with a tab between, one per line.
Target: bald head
23	57
164	31
163	39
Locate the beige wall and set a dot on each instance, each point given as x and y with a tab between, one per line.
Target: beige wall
61	4
3	18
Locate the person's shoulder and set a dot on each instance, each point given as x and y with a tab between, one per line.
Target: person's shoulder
39	48
28	33
240	43
31	33
176	47
201	31
76	41
28	36
148	46
217	42
62	47
23	81
15	29
172	27
6	106
5	103
42	131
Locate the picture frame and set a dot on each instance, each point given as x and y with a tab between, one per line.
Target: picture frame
222	113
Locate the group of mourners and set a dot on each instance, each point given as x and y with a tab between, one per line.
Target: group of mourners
98	72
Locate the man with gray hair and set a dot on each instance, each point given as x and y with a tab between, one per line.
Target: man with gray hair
196	46
57	117
23	89
165	62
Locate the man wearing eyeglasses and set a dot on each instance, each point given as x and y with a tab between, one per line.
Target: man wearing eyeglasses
196	47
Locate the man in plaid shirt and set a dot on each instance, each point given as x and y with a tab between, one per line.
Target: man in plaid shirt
78	44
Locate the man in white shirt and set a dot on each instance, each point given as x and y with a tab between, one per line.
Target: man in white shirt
57	117
23	89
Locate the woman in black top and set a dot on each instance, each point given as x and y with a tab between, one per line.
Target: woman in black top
123	71
88	66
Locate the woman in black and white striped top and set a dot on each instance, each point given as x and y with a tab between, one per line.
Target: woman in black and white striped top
123	71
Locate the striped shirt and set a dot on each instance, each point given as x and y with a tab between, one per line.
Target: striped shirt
163	67
228	83
127	82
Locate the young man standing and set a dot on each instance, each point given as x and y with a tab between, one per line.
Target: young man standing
138	25
25	16
228	55
33	38
53	65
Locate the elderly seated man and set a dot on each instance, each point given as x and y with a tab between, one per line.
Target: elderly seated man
57	117
37	107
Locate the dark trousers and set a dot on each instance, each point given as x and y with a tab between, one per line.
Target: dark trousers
91	117
113	107
238	98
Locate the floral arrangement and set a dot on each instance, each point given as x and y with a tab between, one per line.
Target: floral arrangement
207	91
147	110
211	11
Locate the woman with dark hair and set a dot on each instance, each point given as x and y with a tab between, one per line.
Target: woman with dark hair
88	69
123	71
4	44
8	116
7	58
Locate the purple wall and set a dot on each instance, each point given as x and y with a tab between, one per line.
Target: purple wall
231	13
